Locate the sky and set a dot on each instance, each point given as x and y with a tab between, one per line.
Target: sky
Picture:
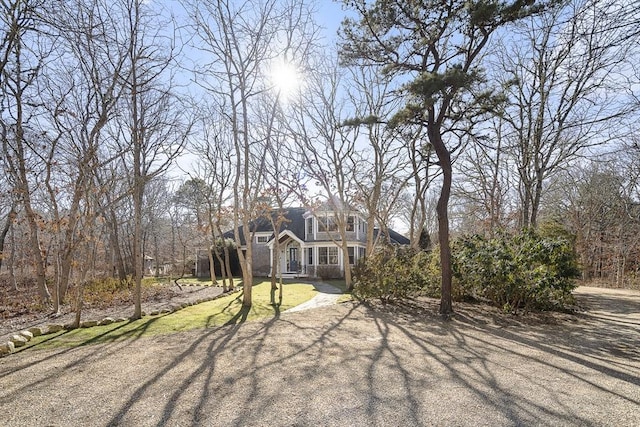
330	16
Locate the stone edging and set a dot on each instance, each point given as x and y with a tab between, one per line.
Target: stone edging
20	339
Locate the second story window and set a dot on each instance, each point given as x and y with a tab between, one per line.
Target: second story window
309	228
351	223
362	226
327	223
262	239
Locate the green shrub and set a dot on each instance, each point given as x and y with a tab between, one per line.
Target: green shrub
395	273
526	270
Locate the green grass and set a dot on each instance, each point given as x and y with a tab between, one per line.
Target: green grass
222	311
338	283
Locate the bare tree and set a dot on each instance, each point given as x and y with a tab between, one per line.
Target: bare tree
156	127
380	165
327	148
567	88
114	191
5	231
216	155
20	61
484	188
82	89
244	41
592	204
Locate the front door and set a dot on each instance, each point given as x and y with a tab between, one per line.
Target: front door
294	264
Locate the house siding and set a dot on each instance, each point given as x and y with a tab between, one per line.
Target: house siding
335	235
261	259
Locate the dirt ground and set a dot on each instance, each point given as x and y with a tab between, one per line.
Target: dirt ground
348	364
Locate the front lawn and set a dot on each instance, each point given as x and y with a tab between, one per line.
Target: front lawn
222	311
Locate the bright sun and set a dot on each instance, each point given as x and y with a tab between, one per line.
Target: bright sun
285	79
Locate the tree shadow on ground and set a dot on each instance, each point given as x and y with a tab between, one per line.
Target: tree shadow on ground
377	364
468	352
553	341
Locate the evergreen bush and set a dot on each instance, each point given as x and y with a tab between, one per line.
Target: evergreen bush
392	273
523	271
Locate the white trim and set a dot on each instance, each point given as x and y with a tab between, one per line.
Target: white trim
288	233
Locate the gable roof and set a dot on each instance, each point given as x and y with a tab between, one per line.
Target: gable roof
394	237
294	222
333	204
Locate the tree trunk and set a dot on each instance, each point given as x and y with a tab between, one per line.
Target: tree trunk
138	191
535	205
223	273
274	267
115	245
347	267
444	157
227	266
137	242
38	257
56	298
5	231
246	262
371	221
34	231
526	205
12	273
79	302
245	258
212	268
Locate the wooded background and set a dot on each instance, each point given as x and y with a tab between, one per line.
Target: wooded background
134	133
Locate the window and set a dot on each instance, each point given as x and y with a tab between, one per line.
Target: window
327	223
352	252
309	228
262	239
328	256
333	256
361	252
309	256
322	256
350	223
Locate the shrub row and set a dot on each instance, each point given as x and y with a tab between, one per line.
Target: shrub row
523	271
396	273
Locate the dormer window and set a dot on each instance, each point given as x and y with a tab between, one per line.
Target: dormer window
309	228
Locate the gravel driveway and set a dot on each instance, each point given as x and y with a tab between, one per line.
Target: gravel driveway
348	365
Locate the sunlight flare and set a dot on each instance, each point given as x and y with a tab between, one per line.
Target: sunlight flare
286	79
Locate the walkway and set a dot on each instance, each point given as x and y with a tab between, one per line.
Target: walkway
327	295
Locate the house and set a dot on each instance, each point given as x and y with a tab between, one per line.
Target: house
151	268
309	242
